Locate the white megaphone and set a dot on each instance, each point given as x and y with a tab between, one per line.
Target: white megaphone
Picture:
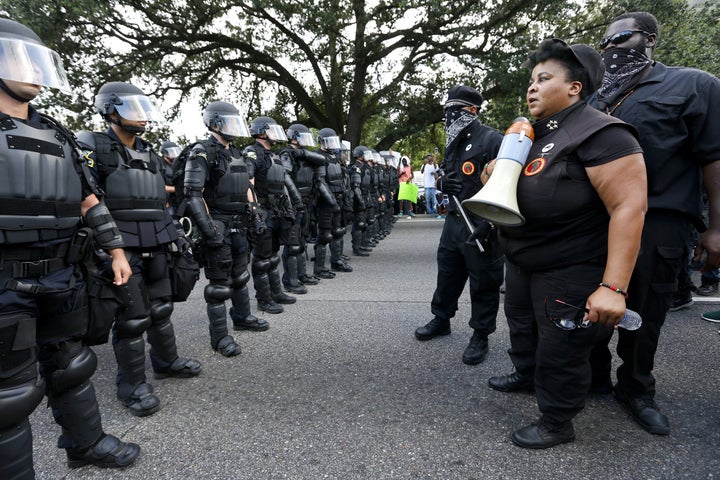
496	202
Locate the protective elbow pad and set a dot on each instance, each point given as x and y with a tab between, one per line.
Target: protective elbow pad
105	230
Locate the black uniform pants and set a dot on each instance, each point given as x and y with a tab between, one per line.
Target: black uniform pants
653	283
459	261
561	361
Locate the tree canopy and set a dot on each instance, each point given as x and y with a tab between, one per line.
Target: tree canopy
375	71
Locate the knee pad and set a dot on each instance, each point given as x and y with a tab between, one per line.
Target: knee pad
76	373
274	261
261	265
132	327
241	280
361	226
339	232
324	237
17	403
161	310
295	250
217	293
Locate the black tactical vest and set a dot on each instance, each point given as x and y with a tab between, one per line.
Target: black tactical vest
228	191
269	172
40	187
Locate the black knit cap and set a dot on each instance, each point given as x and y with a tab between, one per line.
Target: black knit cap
463	95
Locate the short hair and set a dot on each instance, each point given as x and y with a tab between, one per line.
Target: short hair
645	21
550	49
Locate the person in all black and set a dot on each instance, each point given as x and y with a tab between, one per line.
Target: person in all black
676	113
359	186
469	146
44	313
277	210
130	174
169	152
222	206
582	192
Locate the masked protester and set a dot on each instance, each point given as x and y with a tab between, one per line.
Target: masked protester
469	146
676	113
43	294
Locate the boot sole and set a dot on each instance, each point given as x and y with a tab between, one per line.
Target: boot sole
425	338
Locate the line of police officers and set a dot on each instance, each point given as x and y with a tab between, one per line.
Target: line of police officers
99	235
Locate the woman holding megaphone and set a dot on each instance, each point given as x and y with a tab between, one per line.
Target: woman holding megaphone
582	194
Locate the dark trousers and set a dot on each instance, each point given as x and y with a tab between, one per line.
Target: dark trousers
459	261
651	290
560	358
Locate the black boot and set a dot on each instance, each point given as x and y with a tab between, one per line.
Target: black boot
544	434
434	328
220	341
291	281
180	368
513	382
263	295
476	350
303	276
277	293
240	314
108	452
319	267
133	390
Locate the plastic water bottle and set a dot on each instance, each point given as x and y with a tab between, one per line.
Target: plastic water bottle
631	321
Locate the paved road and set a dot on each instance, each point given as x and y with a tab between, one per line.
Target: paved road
339	388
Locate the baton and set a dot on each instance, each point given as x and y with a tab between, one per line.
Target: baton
467	221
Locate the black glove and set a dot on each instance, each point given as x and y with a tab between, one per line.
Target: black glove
259	226
449	184
215	241
481	230
183	245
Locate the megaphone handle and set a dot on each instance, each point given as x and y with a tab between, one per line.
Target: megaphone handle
465	218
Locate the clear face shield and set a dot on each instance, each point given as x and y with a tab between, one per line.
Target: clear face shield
138	108
27	62
377	157
276	133
172	152
305	139
330	143
368	156
233	126
345	152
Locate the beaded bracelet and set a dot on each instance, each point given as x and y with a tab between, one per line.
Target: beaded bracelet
614	289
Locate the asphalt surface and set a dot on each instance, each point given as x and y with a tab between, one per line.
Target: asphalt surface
339	388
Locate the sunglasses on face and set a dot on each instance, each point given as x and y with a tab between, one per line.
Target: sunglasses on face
568	323
620	37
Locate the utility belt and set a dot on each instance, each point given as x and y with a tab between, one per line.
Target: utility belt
32	262
236	220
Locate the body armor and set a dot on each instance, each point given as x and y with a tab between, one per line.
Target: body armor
335	175
37	177
229	193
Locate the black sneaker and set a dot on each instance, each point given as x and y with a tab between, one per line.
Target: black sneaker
708	289
681	300
108	452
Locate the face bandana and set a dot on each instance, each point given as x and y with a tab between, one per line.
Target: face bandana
624	67
456	120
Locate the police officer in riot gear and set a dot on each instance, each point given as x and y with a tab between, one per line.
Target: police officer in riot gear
222	205
360	188
469	146
169	152
129	172
330	225
298	164
43	305
277	210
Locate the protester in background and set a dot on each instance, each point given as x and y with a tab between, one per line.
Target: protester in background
405	175
429	171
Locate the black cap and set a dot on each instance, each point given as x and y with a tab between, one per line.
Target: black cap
592	62
463	95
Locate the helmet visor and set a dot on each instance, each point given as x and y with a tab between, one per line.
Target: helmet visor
28	62
330	143
138	108
368	156
172	152
234	126
276	133
305	139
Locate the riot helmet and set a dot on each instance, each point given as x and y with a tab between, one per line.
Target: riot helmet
378	158
129	102
345	152
329	140
25	58
268	126
170	150
225	120
301	134
362	153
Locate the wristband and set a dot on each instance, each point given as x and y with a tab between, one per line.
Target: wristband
614	289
